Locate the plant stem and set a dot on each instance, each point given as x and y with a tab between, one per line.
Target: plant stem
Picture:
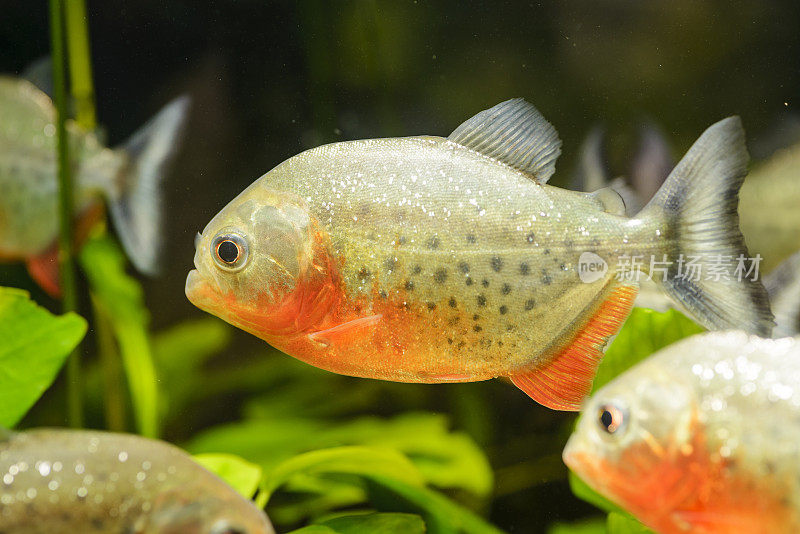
65	203
80	65
113	397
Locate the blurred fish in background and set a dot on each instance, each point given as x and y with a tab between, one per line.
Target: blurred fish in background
128	178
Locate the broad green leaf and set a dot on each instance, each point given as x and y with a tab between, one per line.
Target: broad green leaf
362	461
625	524
35	345
645	332
445	458
590	526
441	515
240	474
376	523
120	298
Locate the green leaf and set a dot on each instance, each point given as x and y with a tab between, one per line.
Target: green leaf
441	515
375	523
120	298
314	529
625	524
445	458
343	460
179	353
35	345
240	474
645	332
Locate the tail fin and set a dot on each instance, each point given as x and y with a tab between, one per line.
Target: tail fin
696	207
136	206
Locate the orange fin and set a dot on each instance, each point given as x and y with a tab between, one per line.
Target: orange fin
566	380
43	268
341	332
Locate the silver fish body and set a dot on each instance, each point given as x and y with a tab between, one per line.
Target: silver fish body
61	481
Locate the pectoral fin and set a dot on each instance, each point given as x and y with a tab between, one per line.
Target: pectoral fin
43	268
344	332
566	380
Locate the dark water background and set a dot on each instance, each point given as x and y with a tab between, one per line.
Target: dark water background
269	79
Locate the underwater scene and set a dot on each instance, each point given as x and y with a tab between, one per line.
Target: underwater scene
374	266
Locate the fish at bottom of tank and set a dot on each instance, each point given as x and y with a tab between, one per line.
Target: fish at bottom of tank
68	481
703	437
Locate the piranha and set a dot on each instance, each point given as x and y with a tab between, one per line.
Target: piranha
701	437
68	481
429	259
128	178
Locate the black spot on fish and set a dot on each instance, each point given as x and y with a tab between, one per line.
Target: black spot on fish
530	238
481	300
98	523
529	304
497	264
453	320
506	289
452	302
409	285
460	344
485	282
469	281
431	306
440	276
476	317
450	340
546	277
471	238
463	267
433	243
363	274
499	343
569	243
503	309
524	269
390	264
417	269
562	266
477	328
401	240
382	294
596	242
546	251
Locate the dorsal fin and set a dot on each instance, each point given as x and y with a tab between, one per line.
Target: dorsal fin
515	133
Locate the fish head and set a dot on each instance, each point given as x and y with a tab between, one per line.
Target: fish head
635	439
220	512
250	257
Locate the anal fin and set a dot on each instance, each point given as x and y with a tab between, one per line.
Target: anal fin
342	332
566	380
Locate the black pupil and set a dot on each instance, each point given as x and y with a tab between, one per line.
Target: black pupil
606	418
228	251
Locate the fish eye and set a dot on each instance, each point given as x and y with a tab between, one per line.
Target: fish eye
230	251
612	418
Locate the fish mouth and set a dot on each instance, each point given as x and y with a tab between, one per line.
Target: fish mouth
197	289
